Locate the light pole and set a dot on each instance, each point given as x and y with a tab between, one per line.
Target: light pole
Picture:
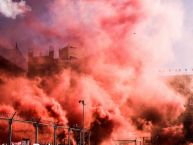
36	125
55	136
10	129
83	104
69	130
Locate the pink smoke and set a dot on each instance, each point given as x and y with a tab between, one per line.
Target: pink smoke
119	42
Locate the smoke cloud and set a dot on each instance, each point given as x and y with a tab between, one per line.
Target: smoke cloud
119	43
11	9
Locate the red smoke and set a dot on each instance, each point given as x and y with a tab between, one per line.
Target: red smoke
124	98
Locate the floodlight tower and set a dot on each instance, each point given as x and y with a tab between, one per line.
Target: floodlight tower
83	115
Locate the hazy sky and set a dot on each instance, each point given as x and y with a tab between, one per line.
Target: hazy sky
183	48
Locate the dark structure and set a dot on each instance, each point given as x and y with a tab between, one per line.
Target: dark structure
44	65
136	141
188	120
12	61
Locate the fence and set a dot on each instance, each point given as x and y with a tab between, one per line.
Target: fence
136	141
37	123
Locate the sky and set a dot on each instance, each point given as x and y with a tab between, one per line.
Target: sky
183	48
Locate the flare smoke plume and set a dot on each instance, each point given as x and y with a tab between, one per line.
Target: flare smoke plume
11	9
118	42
